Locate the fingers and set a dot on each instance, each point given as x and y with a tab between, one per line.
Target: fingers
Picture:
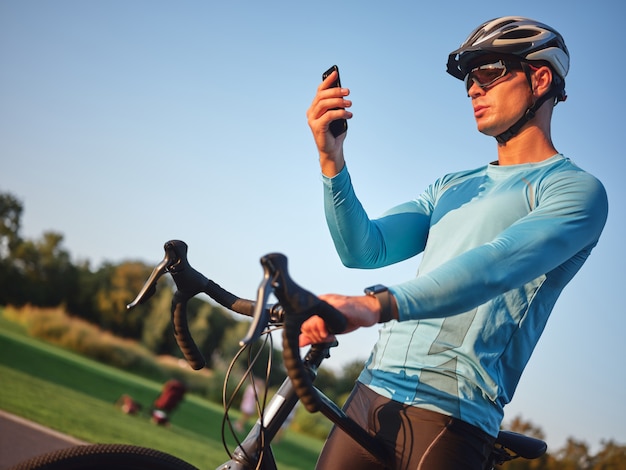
328	105
314	331
360	311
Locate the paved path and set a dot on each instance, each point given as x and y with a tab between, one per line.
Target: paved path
21	439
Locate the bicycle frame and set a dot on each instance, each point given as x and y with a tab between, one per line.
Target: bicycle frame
295	306
254	452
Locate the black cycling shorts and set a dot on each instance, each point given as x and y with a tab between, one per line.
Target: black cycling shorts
413	437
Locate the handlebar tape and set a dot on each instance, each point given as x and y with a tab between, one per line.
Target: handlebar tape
183	336
228	300
301	377
299	305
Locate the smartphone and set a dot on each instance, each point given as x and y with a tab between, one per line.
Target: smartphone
338	126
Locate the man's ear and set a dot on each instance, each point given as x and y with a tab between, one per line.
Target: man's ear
542	80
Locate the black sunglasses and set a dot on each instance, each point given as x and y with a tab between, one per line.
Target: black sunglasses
486	75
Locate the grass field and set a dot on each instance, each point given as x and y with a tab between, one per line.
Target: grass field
76	396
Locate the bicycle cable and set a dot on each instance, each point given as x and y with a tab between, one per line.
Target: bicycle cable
260	401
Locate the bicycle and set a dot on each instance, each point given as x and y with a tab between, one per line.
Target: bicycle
295	305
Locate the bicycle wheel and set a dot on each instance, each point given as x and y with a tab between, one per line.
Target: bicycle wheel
105	457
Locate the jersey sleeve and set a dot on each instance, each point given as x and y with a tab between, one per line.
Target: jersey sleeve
398	234
553	240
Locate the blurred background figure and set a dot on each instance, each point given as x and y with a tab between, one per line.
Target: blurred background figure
249	402
171	396
128	405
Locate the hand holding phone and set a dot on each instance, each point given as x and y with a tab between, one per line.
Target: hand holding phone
338	126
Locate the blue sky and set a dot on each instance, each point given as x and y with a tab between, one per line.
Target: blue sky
124	124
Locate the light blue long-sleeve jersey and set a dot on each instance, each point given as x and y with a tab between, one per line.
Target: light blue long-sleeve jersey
499	244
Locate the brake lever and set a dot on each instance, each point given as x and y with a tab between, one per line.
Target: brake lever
189	282
299	305
149	288
261	315
300	301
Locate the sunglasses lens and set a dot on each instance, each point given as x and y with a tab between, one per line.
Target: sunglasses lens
486	74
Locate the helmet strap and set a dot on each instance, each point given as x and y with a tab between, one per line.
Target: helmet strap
515	128
530	112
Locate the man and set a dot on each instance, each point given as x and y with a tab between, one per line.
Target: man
499	244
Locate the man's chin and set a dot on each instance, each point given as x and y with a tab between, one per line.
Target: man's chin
488	130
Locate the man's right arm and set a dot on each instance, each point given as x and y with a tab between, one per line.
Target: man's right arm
397	235
328	105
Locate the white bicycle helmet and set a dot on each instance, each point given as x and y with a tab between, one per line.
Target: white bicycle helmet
526	39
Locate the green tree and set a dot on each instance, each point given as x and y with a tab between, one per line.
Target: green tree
46	270
40	271
10	222
83	302
10	278
119	285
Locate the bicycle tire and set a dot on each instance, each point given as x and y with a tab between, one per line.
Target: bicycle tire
105	457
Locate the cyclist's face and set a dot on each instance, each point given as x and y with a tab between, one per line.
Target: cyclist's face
501	103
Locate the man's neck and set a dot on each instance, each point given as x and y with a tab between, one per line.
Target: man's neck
531	145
